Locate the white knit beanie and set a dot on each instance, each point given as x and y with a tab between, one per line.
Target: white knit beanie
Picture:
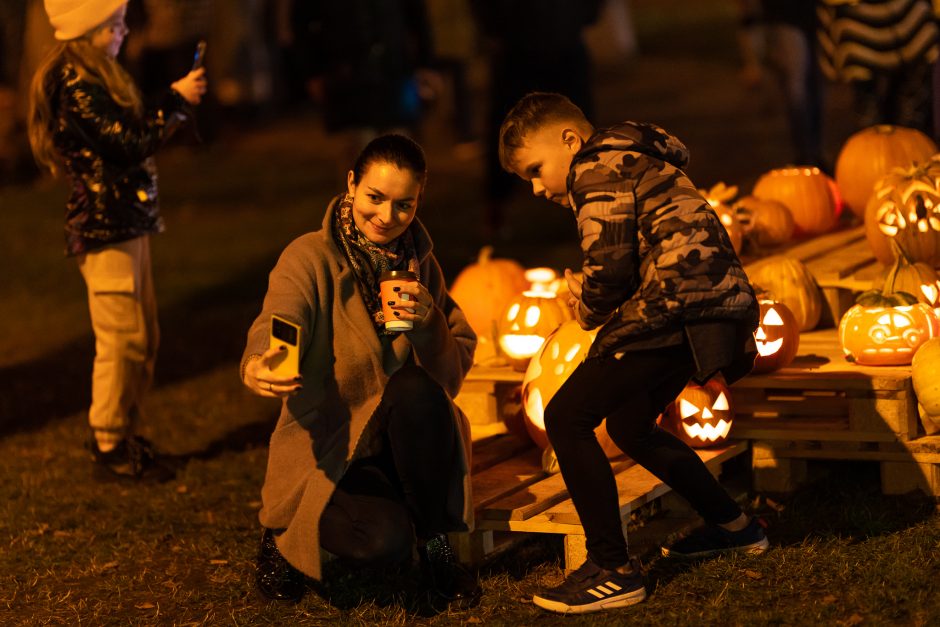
74	18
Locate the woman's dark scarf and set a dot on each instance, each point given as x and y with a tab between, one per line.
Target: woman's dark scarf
369	260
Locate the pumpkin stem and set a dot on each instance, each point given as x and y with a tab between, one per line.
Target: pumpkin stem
901	261
486	253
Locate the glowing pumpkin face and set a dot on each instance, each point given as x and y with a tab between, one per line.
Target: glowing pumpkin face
905	208
719	198
777	337
526	322
888	334
549	368
702	415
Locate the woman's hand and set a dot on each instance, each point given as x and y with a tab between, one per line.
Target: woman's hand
192	87
263	382
419	301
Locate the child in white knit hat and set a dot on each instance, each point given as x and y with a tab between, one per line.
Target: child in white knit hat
87	122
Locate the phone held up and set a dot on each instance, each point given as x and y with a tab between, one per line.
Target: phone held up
286	333
199	55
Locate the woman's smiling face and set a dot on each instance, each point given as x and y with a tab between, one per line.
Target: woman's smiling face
384	200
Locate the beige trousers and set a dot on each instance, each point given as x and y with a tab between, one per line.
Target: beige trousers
124	318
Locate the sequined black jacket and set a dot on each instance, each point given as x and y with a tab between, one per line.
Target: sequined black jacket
107	157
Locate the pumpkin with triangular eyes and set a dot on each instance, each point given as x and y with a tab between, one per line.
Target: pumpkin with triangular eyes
702	415
777	337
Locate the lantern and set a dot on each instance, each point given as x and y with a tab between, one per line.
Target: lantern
810	195
701	416
790	282
527	320
766	222
886	329
483	289
719	198
870	154
924	369
561	353
905	208
777	337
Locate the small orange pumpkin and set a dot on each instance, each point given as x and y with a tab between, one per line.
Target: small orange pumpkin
702	415
777	337
790	282
767	222
915	278
807	192
483	289
528	319
873	152
886	329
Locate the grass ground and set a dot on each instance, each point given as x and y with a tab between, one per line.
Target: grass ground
73	551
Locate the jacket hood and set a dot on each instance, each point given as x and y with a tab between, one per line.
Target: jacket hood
641	137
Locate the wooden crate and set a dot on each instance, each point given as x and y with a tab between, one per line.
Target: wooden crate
822	397
488	393
513	496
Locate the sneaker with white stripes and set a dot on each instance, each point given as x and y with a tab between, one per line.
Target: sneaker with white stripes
591	588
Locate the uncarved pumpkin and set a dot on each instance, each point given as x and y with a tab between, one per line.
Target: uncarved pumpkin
789	281
924	374
873	152
483	289
905	208
807	192
766	222
916	278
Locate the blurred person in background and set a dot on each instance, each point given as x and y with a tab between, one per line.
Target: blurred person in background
885	49
87	123
532	45
364	63
781	36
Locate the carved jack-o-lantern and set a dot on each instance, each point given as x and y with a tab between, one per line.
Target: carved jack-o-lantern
526	322
561	353
719	198
702	414
777	337
905	209
810	195
886	330
913	277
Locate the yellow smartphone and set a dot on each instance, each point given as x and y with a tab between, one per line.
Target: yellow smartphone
286	333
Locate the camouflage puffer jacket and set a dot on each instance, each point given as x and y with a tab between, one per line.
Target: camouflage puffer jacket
655	254
106	151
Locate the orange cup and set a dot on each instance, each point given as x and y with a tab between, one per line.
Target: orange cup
387	282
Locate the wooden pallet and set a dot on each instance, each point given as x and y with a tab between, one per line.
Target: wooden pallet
513	496
823	407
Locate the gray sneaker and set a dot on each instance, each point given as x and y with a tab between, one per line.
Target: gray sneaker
712	540
591	588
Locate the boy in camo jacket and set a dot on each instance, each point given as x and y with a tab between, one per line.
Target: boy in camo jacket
672	303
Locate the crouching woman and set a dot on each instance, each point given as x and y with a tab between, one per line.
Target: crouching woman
369	458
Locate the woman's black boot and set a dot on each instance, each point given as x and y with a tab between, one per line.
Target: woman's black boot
447	577
275	578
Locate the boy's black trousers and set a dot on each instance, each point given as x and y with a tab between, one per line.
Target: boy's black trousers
630	392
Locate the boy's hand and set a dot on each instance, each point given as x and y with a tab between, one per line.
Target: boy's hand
192	87
574	300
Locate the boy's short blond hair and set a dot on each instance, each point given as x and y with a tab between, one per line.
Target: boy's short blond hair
533	112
